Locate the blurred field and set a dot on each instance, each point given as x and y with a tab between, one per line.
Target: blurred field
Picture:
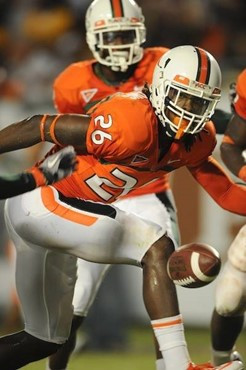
140	355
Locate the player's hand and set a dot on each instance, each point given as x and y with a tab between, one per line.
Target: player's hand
59	165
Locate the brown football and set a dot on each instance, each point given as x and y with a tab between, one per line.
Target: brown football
194	265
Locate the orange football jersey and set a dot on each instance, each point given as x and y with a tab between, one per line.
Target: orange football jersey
78	88
240	100
124	150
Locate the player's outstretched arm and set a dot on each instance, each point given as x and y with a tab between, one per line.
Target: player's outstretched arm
54	168
227	194
67	129
233	147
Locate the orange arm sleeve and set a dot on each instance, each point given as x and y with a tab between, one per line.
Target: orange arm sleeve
227	194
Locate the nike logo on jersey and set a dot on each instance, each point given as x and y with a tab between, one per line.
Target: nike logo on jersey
87	95
173	160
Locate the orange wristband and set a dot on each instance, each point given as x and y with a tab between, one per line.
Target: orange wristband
38	175
42	124
52	130
242	173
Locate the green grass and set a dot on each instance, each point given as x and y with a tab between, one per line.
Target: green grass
140	355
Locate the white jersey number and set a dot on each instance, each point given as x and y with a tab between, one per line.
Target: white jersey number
96	184
98	136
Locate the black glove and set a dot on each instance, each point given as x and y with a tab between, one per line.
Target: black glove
59	165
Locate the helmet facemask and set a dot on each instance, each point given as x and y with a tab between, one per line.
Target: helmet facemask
104	42
187	108
184	106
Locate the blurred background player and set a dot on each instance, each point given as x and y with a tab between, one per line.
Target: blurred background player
230	300
115	32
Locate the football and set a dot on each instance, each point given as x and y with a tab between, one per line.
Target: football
194	265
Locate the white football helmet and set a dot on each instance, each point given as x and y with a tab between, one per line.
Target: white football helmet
185	89
115	31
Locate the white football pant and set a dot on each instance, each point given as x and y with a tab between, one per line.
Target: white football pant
230	298
91	275
49	232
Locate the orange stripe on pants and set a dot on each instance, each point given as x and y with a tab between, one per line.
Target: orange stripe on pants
58	209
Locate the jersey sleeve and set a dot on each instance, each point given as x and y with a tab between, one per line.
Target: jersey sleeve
121	128
203	146
228	195
240	99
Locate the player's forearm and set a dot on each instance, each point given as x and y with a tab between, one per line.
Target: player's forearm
20	135
232	157
59	129
228	195
15	185
11	186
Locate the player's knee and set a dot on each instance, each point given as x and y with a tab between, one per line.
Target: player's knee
46	349
159	252
70	344
230	297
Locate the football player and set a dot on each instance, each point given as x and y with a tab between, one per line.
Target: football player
115	32
230	306
166	127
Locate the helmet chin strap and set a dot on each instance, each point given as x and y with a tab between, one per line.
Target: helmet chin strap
122	68
182	125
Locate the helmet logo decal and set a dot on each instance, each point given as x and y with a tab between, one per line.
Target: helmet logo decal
182	79
117	8
166	63
87	95
99	23
204	66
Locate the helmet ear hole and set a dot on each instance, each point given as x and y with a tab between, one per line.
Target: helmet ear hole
102	18
182	93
